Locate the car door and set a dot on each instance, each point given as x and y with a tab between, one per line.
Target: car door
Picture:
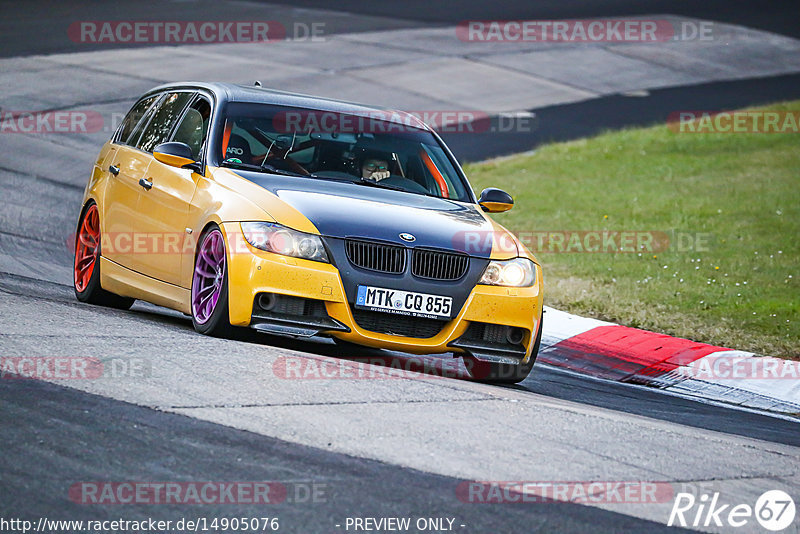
163	208
125	166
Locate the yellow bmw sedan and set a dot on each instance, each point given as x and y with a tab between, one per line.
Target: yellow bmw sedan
304	216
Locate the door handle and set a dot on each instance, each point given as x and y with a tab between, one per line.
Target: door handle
113	169
147	184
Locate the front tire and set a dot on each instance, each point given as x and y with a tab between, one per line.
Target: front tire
210	286
502	373
86	268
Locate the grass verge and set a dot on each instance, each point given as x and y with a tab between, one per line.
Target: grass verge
728	204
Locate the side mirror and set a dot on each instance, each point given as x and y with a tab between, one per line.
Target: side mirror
495	200
176	155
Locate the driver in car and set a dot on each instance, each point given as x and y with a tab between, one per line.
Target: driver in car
278	155
375	169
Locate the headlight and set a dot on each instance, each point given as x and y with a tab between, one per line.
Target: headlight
519	272
281	240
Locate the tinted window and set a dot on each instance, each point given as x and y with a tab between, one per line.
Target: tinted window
133	117
193	127
163	120
388	149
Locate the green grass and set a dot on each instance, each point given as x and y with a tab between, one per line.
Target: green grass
739	191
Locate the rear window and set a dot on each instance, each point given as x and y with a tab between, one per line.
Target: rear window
133	118
160	126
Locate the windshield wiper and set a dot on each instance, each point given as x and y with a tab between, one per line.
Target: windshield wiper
360	181
273	169
263	168
372	183
240	165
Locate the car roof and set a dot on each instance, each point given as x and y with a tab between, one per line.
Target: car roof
230	92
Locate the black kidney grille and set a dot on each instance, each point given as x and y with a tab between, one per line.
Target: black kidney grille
376	256
437	265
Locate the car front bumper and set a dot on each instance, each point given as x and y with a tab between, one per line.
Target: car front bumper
252	272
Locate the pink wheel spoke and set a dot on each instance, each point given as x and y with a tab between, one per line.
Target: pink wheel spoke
215	252
204	273
207	258
206	299
219	250
208	288
209	307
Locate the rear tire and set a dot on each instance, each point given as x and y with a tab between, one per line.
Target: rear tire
209	302
86	267
502	373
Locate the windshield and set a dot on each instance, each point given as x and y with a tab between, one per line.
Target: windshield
364	150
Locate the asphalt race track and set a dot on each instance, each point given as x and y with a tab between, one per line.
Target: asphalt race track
206	409
45	20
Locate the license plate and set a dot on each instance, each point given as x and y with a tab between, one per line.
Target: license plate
404	302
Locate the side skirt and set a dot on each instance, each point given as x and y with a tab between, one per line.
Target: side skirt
127	283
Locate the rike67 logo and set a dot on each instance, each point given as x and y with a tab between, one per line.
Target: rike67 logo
774	510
